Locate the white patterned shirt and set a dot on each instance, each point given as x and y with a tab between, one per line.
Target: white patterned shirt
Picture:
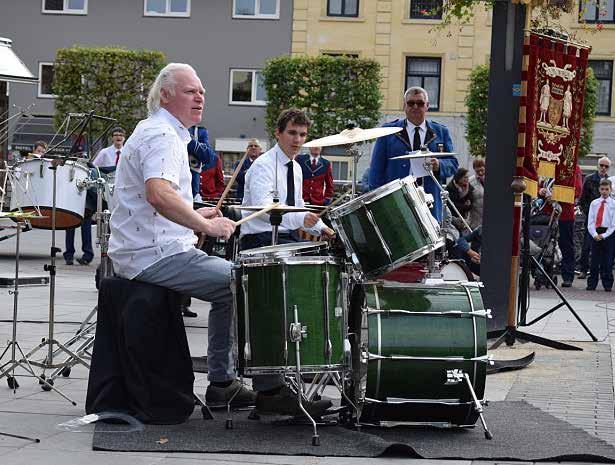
140	236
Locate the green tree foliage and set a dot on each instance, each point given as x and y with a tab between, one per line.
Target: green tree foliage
334	91
589	113
477	101
113	82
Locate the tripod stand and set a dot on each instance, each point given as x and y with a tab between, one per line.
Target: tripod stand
511	334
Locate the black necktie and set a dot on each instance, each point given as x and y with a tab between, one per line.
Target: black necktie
416	143
290	184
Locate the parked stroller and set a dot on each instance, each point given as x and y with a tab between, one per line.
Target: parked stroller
544	230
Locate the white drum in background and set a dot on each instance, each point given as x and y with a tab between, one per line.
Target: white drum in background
33	188
456	270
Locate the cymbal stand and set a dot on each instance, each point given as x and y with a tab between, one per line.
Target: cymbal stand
353	151
50	341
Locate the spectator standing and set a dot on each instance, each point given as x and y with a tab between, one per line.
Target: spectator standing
591	191
253	150
461	192
475	216
317	177
600	225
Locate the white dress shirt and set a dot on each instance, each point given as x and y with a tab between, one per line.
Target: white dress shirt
608	218
259	187
422	132
140	236
107	156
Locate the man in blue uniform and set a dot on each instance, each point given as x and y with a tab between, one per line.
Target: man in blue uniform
253	150
200	155
417	132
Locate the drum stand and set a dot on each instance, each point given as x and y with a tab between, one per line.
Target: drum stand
458	376
50	341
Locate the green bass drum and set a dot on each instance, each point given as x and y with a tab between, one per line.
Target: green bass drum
414	344
270	282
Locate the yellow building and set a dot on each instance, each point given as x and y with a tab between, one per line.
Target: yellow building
400	35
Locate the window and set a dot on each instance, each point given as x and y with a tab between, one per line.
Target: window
256	9
603	70
425	9
425	72
45	80
597	11
348	8
247	87
175	8
341	54
340	170
68	7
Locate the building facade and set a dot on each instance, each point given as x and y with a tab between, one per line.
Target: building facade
400	35
226	41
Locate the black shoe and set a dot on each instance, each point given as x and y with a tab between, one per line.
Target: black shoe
607	289
83	261
189	313
69	262
590	288
582	275
567	284
285	403
219	396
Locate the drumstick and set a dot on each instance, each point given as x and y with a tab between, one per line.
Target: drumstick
256	214
334	203
231	181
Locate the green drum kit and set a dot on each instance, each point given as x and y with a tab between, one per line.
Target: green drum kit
412	353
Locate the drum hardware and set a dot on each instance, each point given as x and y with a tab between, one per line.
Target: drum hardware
297	333
459	376
50	341
85	335
8	368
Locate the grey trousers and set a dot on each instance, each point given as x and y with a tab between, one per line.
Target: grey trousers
207	278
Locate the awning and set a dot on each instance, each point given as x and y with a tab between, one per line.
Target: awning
11	67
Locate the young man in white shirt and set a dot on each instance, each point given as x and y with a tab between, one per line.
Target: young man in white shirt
153	223
276	171
601	225
109	157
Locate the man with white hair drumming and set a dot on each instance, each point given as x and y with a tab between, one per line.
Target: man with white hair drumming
153	224
417	132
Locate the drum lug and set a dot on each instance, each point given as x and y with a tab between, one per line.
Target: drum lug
338	312
297	332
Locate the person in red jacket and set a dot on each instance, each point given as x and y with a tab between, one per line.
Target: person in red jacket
566	229
212	181
317	177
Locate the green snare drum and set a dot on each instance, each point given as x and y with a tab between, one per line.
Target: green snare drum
413	339
387	227
270	282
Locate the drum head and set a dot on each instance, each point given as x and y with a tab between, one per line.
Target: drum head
456	270
285	250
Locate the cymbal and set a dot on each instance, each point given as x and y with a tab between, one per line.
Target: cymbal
280	208
351	136
423	154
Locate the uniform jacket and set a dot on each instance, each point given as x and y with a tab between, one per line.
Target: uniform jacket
318	183
212	181
200	155
383	170
241	176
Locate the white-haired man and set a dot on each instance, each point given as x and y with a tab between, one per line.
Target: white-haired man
418	132
153	224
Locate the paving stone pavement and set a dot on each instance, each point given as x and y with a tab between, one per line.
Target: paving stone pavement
574	386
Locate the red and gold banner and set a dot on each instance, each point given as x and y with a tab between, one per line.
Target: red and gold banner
551	113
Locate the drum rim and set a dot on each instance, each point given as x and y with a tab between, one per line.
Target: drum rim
251	262
372	196
76	163
418	253
282	250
